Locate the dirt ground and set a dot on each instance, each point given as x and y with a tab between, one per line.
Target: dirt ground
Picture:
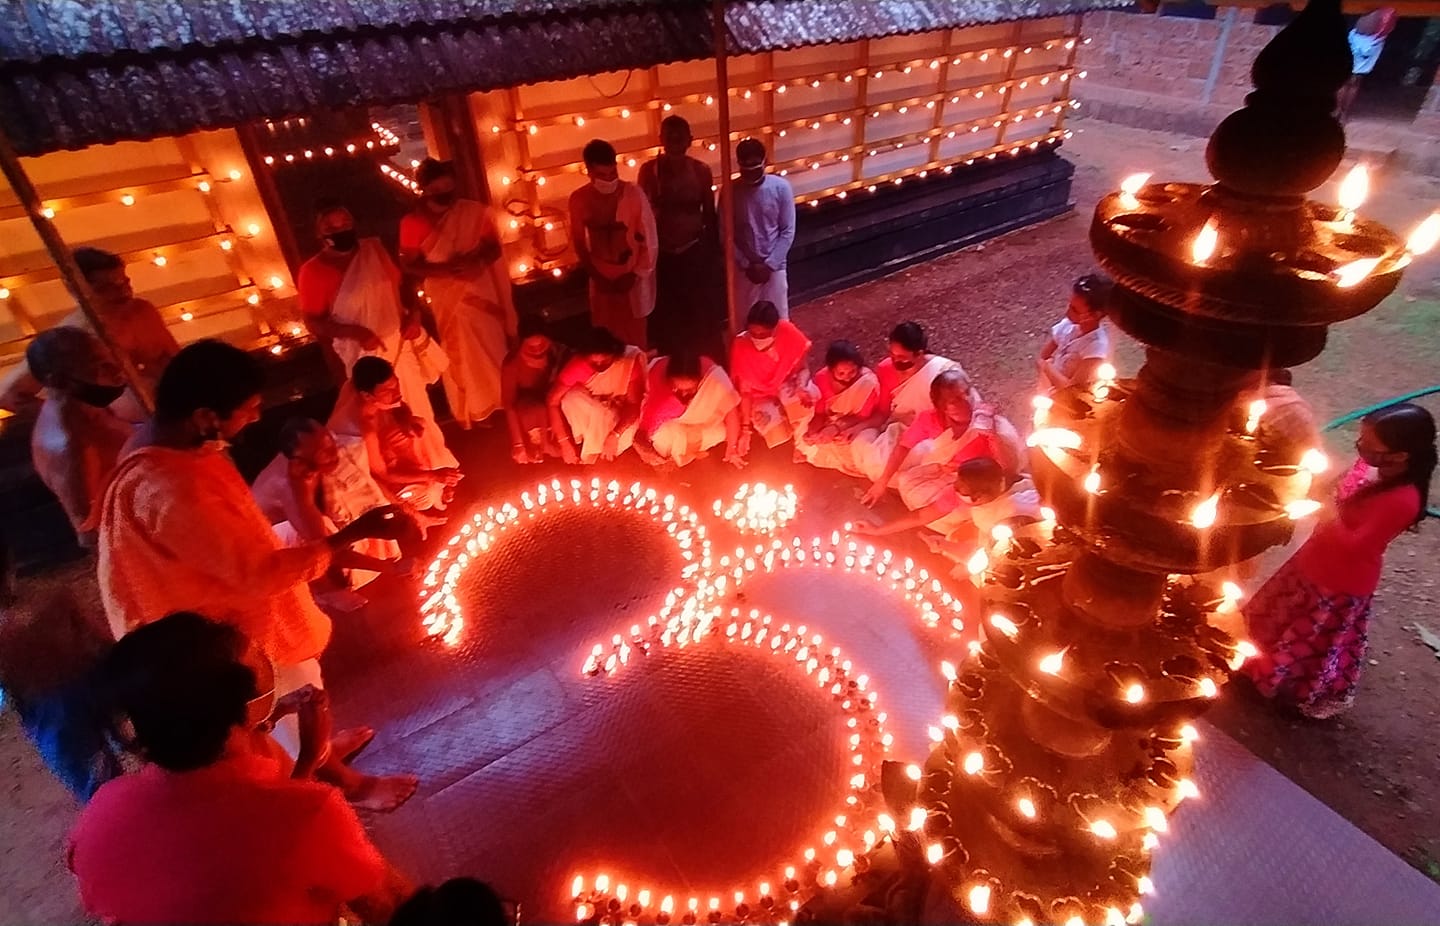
989	306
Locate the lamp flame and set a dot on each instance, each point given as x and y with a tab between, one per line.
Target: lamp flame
1205	243
980	898
1314	462
1091	483
1134	183
934	853
1049	438
1302	508
1253	414
974	763
1135	693
978	563
1354	188
1206	512
1053	663
1425	236
1355	272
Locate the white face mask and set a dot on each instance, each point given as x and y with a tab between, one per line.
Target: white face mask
605	187
763	343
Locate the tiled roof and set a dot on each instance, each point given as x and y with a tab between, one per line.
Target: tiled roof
81	72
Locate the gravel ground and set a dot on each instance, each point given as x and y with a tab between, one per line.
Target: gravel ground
989	307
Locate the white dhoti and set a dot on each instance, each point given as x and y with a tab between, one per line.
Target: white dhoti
776	290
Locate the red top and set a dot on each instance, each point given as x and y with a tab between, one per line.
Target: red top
414	229
231	843
1345	553
928	425
889	381
661	403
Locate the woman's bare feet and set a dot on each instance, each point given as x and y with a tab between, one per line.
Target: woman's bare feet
347	744
381	793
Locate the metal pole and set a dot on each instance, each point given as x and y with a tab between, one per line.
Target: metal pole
727	209
69	272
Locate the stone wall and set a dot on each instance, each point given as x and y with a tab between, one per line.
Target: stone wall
1162	72
1175	74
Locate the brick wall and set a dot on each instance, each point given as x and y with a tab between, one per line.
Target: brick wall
1156	71
1161	73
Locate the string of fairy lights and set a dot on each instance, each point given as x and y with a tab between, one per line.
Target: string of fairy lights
248	292
541	228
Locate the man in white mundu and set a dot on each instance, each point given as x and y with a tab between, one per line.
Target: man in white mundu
454	245
350	294
595	402
690	406
905	376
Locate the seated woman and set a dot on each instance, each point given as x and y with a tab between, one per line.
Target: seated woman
1079	343
981	498
525	380
690	406
594	403
849	397
905	376
767	364
311	490
403	456
956	428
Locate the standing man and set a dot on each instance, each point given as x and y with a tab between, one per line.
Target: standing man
350	294
135	327
180	531
764	231
613	232
454	245
77	438
681	192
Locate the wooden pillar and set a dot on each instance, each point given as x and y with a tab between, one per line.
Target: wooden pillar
727	209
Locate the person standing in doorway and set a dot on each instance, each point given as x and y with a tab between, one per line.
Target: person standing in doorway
613	232
681	193
453	244
764	230
1367	41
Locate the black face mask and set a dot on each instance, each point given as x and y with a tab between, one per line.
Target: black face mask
343	241
96	394
443	199
903	365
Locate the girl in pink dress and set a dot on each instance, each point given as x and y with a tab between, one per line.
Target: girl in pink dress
1311	619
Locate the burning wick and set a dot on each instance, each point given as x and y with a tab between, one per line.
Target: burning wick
1205	243
1355	272
1092	481
980	898
977	564
1206	512
1129	187
1425	236
1302	508
1026	807
1253	414
1353	190
1052	664
1004	624
1314	462
1135	693
1042	405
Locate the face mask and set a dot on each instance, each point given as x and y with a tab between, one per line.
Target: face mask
605	187
343	241
762	343
96	394
443	199
903	365
213	441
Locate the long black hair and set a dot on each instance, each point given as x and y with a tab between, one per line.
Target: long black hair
1407	428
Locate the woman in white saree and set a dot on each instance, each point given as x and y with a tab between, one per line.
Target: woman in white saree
849	399
905	377
454	245
690	406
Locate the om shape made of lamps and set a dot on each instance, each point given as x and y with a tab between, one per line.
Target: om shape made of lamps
1076	736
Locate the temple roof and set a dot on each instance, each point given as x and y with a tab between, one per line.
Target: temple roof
82	72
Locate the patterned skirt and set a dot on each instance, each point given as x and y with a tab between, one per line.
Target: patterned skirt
1312	643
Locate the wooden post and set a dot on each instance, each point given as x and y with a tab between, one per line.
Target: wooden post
65	261
727	208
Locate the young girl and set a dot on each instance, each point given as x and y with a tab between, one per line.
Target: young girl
1312	618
